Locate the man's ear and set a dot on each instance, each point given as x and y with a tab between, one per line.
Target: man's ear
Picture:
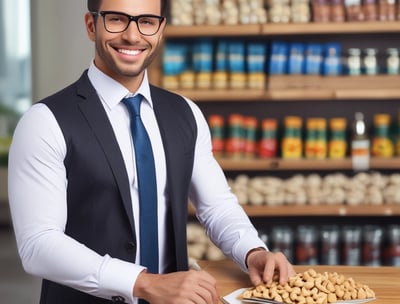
90	26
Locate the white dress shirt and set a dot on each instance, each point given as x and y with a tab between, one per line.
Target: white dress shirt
38	187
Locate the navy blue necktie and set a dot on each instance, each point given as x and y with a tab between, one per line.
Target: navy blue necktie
146	175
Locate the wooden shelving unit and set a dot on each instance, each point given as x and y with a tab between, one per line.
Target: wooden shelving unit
248	164
319	210
270	29
323	210
300	89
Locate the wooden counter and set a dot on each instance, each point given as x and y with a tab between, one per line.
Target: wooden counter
385	281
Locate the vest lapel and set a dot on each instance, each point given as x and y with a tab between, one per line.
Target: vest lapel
96	117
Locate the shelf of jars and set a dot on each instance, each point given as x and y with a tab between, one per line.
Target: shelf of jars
270	29
305	87
257	164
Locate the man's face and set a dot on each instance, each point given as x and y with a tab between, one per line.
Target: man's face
124	55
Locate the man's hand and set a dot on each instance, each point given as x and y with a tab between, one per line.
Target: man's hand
264	265
197	287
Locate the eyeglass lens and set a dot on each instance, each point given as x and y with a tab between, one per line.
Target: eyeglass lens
116	23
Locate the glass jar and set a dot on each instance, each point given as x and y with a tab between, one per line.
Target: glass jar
292	145
268	142
337	141
370	61
354	61
382	145
216	123
392	61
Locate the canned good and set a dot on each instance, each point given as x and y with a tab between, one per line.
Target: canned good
330	237
392	248
282	240
306	246
372	242
351	245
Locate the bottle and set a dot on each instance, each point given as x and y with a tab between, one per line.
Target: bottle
392	61
354	61
370	61
382	146
360	143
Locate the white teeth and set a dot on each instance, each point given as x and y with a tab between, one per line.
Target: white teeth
129	52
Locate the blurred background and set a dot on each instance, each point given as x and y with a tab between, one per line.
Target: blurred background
43	47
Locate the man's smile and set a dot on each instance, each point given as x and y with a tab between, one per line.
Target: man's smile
129	52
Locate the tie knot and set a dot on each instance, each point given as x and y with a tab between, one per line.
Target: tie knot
133	104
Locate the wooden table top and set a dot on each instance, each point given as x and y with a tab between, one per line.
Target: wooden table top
385	281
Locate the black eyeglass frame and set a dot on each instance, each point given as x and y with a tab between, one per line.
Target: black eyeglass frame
130	19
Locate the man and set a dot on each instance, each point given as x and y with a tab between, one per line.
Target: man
74	179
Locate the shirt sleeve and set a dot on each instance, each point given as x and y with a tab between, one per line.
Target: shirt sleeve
217	208
37	195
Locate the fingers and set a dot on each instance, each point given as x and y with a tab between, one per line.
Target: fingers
280	266
265	267
209	288
255	276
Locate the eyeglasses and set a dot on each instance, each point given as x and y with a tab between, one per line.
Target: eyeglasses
116	22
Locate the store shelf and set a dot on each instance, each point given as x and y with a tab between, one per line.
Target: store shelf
306	87
319	210
330	28
233	95
213	30
323	210
239	164
271	29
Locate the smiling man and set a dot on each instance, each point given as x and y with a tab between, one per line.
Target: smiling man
101	172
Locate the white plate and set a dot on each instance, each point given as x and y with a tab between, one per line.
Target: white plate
232	298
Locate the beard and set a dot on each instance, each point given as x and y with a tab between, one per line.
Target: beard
118	69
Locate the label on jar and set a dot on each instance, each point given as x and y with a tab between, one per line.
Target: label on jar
360	154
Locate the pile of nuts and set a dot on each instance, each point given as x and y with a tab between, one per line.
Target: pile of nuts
212	12
363	188
312	288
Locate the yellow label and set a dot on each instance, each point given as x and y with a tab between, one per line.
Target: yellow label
291	148
337	149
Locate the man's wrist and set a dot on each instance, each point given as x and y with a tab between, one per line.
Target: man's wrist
254	250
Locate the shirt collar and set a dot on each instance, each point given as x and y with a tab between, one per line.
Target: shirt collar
111	92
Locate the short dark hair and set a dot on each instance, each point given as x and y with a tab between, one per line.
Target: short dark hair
94	6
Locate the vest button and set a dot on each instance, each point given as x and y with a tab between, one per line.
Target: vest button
118	299
130	246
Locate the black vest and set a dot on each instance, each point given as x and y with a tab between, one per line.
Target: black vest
98	196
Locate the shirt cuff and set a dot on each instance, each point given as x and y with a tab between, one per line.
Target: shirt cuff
118	279
246	244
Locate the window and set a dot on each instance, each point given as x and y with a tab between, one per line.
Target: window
15	66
